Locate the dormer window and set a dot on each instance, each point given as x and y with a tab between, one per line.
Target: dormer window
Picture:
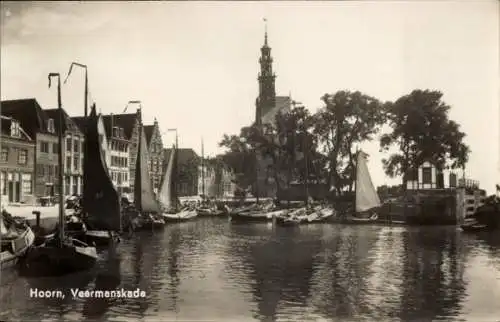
115	131
15	129
50	126
122	133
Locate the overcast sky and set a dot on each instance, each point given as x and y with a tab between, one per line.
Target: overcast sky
194	65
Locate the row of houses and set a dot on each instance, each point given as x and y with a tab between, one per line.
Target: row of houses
29	159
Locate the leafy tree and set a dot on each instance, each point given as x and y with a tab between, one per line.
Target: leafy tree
422	131
284	142
347	119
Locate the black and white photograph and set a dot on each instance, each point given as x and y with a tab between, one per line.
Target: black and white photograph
250	161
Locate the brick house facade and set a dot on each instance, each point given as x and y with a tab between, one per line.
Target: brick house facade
17	163
39	127
155	149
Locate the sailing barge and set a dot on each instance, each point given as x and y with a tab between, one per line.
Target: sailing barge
146	215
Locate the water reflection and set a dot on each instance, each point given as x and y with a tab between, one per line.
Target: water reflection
215	270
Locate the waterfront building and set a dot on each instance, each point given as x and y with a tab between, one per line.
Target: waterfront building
17	163
81	122
187	172
155	150
215	179
73	149
39	127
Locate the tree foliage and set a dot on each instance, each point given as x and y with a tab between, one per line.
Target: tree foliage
323	145
346	120
422	131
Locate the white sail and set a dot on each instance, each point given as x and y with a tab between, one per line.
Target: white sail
165	193
366	195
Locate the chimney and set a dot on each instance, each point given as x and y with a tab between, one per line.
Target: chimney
139	115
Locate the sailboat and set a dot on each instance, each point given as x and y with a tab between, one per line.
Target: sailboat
144	200
15	239
60	254
168	198
367	200
101	202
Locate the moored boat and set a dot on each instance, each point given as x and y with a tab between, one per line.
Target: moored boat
167	196
367	201
486	218
147	214
61	254
15	239
253	213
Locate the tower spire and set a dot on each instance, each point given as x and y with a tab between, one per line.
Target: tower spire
265	31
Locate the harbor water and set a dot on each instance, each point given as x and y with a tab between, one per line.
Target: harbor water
213	270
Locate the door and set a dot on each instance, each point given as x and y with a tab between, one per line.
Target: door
11	191
18	191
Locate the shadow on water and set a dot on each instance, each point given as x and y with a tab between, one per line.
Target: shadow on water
108	278
214	270
433	279
279	262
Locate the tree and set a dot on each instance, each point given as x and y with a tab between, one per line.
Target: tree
347	119
422	132
284	143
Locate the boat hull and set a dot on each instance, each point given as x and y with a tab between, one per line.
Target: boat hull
250	217
180	217
51	260
101	237
19	247
209	213
475	228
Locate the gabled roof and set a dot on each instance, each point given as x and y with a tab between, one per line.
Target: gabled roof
29	114
149	130
6	123
125	121
80	122
68	123
184	155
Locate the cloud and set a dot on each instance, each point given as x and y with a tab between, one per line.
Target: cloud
49	19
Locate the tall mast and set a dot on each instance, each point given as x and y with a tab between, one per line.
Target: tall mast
60	159
306	179
202	168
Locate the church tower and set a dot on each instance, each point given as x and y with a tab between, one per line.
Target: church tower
267	92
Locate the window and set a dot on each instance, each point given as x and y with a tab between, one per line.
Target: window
5	154
40	170
50	170
76	163
44	147
55	148
68	144
56	170
50	126
76	145
15	129
453	180
66	186
3	183
427	175
22	157
75	185
68	163
27	183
